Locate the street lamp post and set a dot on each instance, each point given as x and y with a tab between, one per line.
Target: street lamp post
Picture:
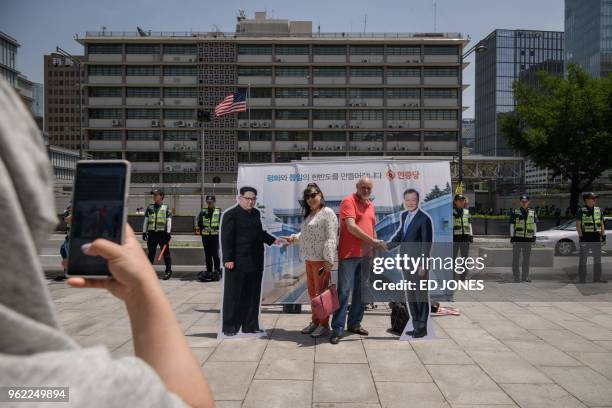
479	47
76	61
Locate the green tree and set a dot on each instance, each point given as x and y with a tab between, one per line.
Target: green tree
565	125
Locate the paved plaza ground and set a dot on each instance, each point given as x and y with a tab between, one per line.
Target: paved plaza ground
496	354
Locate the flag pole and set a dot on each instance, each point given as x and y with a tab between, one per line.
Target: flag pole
249	115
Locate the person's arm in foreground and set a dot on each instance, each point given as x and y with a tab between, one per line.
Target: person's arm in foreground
158	338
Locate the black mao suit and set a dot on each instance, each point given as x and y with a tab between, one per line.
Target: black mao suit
242	242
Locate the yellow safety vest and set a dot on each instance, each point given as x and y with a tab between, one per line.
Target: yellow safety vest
591	223
524	227
461	225
157	220
210	226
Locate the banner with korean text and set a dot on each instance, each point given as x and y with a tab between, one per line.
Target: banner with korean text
280	188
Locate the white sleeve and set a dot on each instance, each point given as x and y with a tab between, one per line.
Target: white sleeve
330	248
144	224
511	230
169	225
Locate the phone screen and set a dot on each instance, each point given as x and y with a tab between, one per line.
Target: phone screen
98	207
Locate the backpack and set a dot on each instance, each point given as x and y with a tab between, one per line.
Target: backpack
399	316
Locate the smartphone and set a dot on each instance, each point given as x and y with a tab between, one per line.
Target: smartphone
99	210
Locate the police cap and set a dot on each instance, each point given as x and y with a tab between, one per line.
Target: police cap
158	191
459	197
589	194
210	198
524	197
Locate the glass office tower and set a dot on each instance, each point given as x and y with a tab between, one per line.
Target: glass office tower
510	55
588	30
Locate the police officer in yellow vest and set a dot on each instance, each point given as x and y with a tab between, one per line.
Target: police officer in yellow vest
522	236
462	230
156	229
591	230
208	226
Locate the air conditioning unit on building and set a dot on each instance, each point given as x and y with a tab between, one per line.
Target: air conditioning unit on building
255	124
390	126
155	123
168	168
243	124
179	123
279	60
400	126
190	124
364	60
116	122
265	124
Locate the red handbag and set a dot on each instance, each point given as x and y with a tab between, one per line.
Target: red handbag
326	303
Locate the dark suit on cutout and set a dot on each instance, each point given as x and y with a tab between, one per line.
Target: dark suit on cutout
242	242
418	238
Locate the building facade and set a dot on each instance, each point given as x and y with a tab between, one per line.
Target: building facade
61	101
468	134
510	55
148	97
25	88
8	59
588	33
63	162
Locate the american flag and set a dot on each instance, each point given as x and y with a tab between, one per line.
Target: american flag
233	103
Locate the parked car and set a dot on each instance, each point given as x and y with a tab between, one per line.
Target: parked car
564	238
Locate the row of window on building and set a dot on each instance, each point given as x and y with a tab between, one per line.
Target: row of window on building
285	114
267	71
186	92
264	49
290	136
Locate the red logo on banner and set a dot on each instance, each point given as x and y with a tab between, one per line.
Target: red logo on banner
390	174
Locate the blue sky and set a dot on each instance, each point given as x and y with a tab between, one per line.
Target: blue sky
41	25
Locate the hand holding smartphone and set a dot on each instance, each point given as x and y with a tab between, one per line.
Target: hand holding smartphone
99	210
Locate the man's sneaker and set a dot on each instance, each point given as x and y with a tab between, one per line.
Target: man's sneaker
319	331
335	337
310	328
167	275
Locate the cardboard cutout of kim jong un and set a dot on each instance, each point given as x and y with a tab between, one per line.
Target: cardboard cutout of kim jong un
242	250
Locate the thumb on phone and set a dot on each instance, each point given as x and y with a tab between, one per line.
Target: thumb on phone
102	247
